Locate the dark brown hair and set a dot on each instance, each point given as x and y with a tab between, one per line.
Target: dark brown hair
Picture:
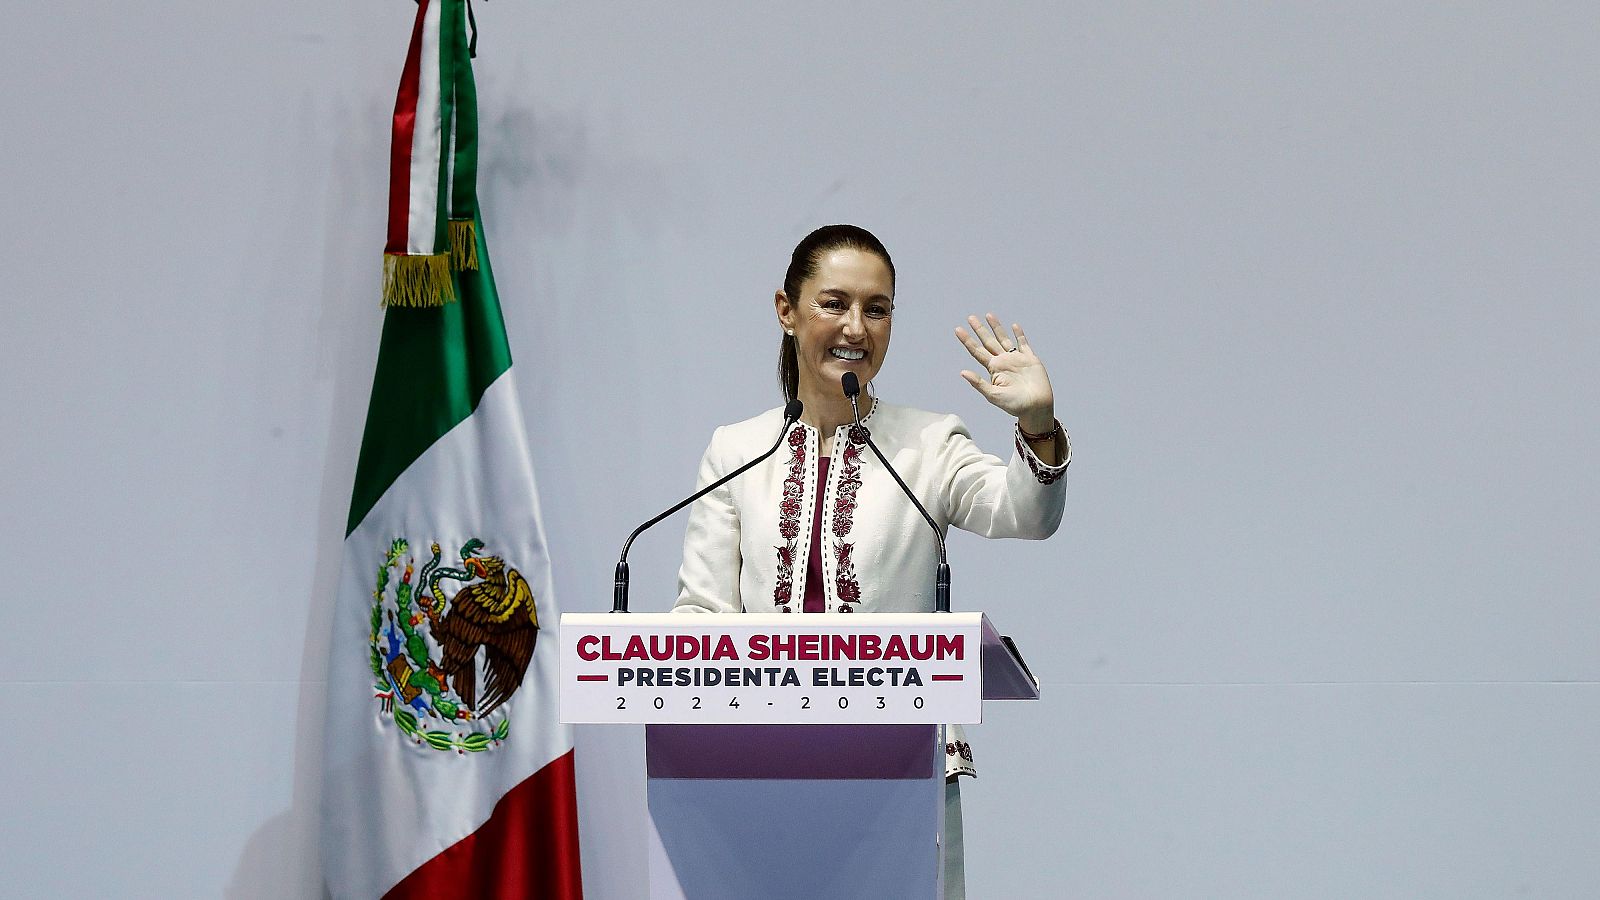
803	265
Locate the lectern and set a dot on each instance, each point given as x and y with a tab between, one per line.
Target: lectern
790	756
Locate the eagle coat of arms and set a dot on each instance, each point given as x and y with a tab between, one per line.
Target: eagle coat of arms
429	647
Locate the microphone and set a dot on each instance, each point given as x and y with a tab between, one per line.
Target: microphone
619	599
941	580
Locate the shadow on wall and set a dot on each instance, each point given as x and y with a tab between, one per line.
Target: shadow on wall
545	175
281	859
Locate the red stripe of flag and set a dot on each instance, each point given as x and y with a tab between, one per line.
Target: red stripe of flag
527	849
405	124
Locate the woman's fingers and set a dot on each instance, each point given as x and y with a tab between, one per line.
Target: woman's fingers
1016	381
1005	341
979	354
1022	339
982	385
1015	373
986	335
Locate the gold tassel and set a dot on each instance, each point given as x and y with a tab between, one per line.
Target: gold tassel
417	281
463	244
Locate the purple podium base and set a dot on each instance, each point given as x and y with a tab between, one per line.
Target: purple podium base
848	752
784	812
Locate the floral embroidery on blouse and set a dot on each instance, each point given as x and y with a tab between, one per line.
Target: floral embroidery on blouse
847	588
794	487
1046	475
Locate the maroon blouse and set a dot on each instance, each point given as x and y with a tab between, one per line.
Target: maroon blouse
815	602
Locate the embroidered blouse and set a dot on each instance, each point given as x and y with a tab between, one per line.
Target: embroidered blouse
747	544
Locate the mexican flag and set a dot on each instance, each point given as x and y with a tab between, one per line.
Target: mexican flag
447	773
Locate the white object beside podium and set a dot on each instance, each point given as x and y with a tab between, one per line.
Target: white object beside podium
790	756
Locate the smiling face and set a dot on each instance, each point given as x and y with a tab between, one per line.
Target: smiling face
841	320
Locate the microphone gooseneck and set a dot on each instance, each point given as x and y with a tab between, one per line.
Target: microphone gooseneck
619	596
941	579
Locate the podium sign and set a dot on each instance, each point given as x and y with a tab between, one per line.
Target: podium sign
765	668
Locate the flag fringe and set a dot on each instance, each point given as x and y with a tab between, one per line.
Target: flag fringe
463	245
417	280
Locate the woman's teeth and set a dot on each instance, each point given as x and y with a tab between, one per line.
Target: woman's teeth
840	353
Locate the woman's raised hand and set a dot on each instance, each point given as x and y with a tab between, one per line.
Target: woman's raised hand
1017	381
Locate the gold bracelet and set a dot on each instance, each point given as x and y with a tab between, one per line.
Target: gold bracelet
1036	438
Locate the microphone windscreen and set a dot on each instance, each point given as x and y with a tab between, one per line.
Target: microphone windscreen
852	384
793	409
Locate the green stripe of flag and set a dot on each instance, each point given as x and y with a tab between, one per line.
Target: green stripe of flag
452	37
434	363
464	146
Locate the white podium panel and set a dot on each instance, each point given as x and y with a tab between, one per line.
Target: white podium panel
754	669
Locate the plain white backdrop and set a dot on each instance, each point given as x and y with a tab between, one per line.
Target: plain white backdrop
1316	284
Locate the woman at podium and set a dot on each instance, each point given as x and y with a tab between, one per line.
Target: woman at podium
822	526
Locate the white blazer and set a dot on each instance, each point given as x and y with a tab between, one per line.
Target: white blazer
748	542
